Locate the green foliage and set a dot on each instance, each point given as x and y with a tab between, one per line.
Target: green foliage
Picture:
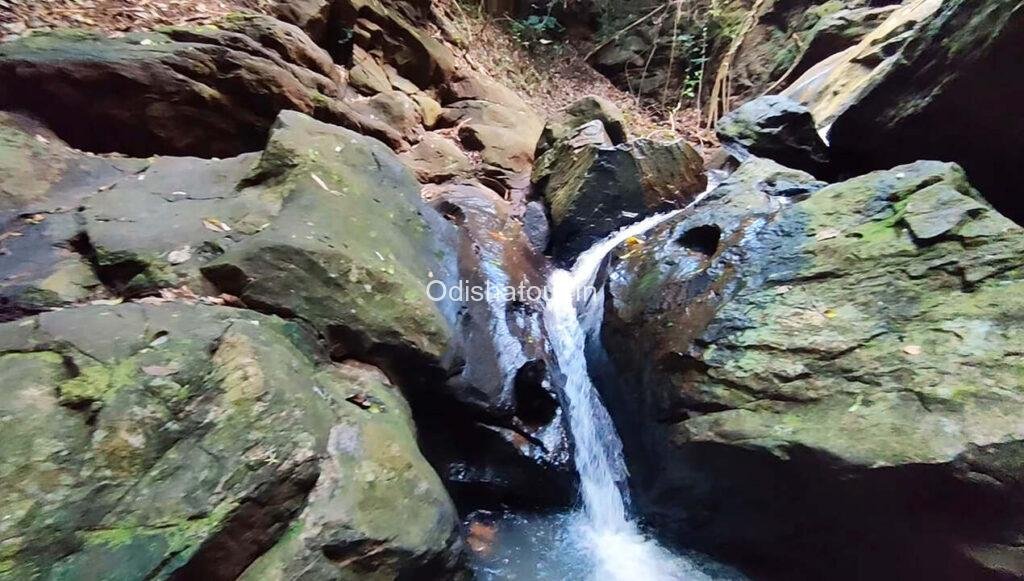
692	48
537	28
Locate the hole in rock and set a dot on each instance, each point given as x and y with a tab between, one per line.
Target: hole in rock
535	405
452	213
702	239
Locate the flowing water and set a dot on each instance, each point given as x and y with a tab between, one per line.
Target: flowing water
620	551
602	540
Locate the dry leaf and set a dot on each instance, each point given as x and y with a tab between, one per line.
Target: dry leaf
912	349
180	255
107	302
216	225
35	218
319	181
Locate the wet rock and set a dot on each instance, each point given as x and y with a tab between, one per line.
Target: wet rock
187	441
839	365
776	128
517	448
536	225
167	93
592	188
436	159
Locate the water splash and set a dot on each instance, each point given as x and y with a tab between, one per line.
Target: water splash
619	550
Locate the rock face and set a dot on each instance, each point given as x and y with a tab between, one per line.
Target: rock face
499	364
592	187
844	365
836	32
776	128
920	86
956	75
168	93
327	227
155	441
660	57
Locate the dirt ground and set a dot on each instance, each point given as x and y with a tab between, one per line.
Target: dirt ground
16	16
549	77
552	76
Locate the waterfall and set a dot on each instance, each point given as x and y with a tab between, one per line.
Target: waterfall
620	550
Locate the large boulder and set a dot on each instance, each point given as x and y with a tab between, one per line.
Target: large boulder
952	95
500	363
831	86
505	137
437	159
846	364
776	128
180	441
592	187
328	227
206	91
324	225
42	182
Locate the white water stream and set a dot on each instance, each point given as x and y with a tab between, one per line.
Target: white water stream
619	550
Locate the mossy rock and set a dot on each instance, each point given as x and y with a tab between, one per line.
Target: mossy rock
141	442
855	348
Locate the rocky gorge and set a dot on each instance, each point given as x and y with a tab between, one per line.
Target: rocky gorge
796	356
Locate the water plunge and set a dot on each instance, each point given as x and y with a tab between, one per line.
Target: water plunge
619	550
601	540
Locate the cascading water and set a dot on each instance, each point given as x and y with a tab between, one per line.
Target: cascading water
600	541
619	550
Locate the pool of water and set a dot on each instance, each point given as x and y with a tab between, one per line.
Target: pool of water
556	547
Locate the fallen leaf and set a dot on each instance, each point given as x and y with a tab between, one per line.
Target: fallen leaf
107	302
230	300
633	241
35	218
912	349
830	313
180	255
783	289
216	225
481	537
827	234
152	301
160	370
319	181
